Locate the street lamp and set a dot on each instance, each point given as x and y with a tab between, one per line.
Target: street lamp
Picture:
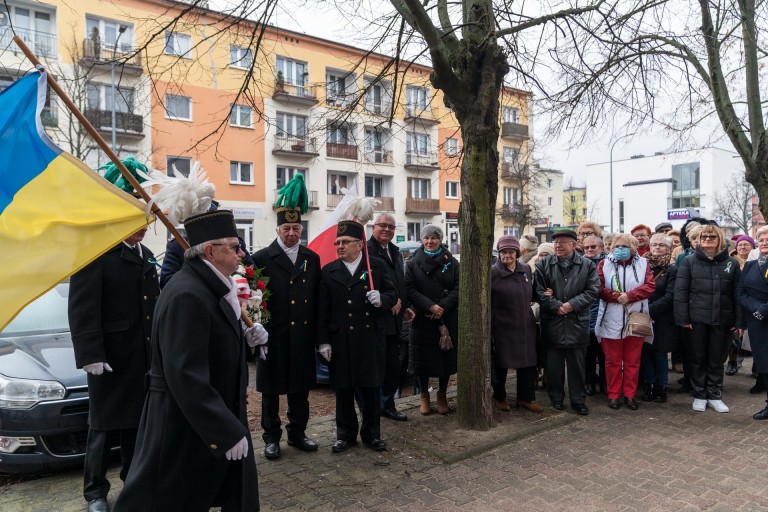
120	30
611	171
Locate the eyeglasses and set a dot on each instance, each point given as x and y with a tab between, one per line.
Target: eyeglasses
234	247
708	237
590	247
658	245
586	233
386	226
344	243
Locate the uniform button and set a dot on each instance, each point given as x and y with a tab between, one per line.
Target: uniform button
365	287
293	301
367	314
349	302
303	280
351	327
293	323
349	289
146	298
350	315
214	447
305	322
147	338
306	301
367	326
290	282
148	317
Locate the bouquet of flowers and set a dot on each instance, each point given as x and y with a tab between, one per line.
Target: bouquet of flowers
253	293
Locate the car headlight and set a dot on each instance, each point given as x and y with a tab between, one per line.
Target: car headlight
24	393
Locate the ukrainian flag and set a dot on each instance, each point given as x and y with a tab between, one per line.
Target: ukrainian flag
56	214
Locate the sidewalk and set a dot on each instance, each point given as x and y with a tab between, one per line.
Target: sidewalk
661	457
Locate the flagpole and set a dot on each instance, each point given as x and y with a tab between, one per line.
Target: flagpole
102	143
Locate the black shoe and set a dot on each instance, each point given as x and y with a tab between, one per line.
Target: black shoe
613	403
631	403
590	389
304	444
650	393
761	415
376	444
558	405
733	369
393	414
98	505
661	395
272	451
685	388
580	409
681	380
757	388
341	445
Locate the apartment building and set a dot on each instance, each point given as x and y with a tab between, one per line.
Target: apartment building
253	118
575	209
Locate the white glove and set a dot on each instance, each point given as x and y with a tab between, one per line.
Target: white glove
239	451
374	297
256	335
263	349
97	368
325	351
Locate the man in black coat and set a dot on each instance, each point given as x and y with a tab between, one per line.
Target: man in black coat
351	333
194	448
380	245
289	368
111	305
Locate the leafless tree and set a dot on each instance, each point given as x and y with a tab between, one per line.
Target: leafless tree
733	203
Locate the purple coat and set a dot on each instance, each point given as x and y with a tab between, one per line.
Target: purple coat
513	326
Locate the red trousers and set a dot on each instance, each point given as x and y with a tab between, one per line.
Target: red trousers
622	365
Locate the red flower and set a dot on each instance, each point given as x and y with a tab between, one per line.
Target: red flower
263	305
248	271
261	285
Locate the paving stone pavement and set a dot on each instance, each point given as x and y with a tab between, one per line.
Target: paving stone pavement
661	457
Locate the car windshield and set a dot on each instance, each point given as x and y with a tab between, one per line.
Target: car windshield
47	314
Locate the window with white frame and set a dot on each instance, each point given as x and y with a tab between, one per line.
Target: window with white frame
452	146
414	231
420	188
374	186
336	88
512	195
36	27
241	173
452	189
242	116
293	72
549	201
416	98
510	115
99	97
338	134
336	181
417	143
240	57
549	183
106	33
178	44
178	164
286	174
512	230
377	144
377	98
510	155
178	107
291	125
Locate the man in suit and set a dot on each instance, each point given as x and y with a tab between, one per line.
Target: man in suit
111	305
289	368
194	448
351	333
380	245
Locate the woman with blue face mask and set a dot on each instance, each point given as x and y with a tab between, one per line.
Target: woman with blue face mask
626	282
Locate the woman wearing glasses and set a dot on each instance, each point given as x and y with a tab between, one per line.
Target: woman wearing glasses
706	306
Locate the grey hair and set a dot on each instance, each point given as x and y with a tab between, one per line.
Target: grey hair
198	251
380	216
599	240
761	231
666	240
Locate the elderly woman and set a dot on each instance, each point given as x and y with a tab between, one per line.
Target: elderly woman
706	305
626	282
753	297
608	241
744	245
543	251
655	369
432	283
513	327
588	228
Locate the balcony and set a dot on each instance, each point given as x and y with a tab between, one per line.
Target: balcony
312	199
287	145
300	95
513	171
97	53
347	151
421	161
50	117
42	44
126	123
428	116
514	210
386	204
344	101
383	108
422	206
378	156
514	131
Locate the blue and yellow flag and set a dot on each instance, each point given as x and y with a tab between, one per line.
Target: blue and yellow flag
56	214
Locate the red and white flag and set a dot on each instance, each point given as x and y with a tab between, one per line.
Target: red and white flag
322	244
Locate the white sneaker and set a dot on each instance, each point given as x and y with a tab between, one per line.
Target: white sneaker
699	404
718	405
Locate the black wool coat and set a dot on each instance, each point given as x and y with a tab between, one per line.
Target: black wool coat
396	269
290	363
111	305
660	307
353	327
196	405
513	326
432	280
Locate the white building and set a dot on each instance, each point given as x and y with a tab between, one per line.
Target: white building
661	187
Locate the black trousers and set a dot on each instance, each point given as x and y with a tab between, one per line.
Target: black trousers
595	358
709	347
97	449
391	372
557	359
298	416
346	417
526	383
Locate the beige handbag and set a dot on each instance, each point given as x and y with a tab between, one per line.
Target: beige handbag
638	323
445	338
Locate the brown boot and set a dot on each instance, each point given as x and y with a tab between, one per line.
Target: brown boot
502	405
424	406
442	403
531	406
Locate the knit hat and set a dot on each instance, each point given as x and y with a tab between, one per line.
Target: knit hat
529	242
431	230
747	238
508	242
547	247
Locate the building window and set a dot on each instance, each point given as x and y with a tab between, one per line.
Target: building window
414	231
685	186
178	164
452	189
289	125
99	97
241	116
512	230
419	188
549	201
452	147
36	28
177	44
286	174
336	182
377	98
374	187
417	144
549	183
416	98
584	212
293	72
178	107
240	173
105	33
336	87
510	115
512	195
304	232
377	143
338	134
95	157
240	57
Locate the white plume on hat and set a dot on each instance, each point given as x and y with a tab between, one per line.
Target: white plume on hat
183	196
359	208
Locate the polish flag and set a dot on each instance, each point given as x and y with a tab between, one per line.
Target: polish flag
322	244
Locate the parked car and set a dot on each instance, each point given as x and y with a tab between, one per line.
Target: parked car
43	396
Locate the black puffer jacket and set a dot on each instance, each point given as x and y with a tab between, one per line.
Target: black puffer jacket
660	305
705	290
